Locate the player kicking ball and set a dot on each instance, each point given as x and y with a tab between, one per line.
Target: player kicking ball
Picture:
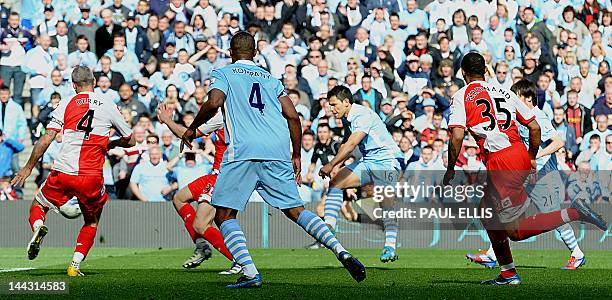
261	124
85	121
199	224
490	112
379	164
549	191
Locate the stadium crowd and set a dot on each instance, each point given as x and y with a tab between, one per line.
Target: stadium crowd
399	57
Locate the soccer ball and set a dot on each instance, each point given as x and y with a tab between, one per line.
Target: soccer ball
71	210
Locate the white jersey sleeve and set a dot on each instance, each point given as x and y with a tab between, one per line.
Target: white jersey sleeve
457	117
57	116
213	124
523	114
117	120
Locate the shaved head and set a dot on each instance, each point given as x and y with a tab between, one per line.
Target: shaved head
242	46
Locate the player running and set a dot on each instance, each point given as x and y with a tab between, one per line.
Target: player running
199	224
260	121
85	120
490	112
379	164
549	191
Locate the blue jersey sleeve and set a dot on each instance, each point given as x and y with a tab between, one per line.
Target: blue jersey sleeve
361	123
546	128
218	81
280	89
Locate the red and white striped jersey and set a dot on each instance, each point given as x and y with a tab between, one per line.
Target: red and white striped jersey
489	111
215	124
85	120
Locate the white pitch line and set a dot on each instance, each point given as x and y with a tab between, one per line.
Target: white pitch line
15	270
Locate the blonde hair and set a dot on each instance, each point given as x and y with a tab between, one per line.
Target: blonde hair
570	55
598	46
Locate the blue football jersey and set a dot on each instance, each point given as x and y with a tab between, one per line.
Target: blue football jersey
546	163
255	128
378	143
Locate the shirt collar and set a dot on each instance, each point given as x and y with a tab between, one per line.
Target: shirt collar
245	62
352	111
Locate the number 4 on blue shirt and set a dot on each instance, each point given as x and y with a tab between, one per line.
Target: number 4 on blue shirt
255	97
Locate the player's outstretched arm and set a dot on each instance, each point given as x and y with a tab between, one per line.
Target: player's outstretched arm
295	133
164	115
39	150
555	144
343	153
123	142
216	98
454	147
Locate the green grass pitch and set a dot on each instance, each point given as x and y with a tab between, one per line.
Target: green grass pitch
117	273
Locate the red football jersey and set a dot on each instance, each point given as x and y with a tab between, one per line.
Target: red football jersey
489	111
215	124
85	120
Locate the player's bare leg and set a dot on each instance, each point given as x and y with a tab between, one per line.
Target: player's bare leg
182	203
501	247
203	224
526	227
314	226
85	241
38	215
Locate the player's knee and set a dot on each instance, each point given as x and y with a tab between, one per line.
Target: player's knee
293	213
514	235
91	223
222	216
333	183
199	225
178	199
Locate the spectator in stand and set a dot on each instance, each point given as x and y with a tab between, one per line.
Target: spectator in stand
122	64
105	91
567	133
115	77
189	166
577	115
148	181
601	130
56	85
170	149
603	105
8	149
368	94
13	122
446	76
104	34
127	101
167	76
136	40
14	42
210	62
65	39
279	57
416	103
81	56
181	38
537	28
414	80
39	63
